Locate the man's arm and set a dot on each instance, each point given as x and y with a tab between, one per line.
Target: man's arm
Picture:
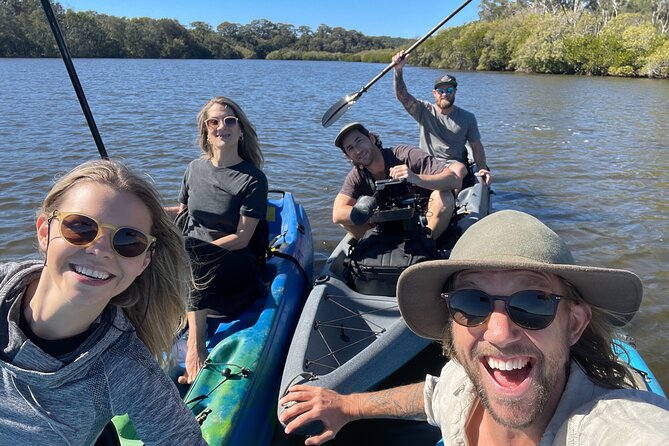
447	179
335	410
408	101
480	160
341	215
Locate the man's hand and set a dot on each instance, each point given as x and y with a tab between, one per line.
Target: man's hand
486	175
306	404
400	59
402	172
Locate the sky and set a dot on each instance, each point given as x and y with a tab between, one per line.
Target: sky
395	18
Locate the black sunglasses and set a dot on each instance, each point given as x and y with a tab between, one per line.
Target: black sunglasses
82	231
529	309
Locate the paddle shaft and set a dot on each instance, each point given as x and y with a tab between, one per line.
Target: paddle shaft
414	46
51	17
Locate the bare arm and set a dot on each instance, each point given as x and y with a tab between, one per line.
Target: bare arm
341	215
240	239
335	410
480	160
447	179
408	101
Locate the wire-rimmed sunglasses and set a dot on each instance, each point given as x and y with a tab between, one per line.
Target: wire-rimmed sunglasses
229	121
529	309
82	231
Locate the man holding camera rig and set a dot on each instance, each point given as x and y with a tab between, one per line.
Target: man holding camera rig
371	162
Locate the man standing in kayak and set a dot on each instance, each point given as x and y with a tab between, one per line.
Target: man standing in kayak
530	338
444	128
371	163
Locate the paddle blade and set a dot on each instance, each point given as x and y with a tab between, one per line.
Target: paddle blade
338	109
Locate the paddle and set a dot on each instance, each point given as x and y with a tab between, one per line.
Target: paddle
51	17
339	108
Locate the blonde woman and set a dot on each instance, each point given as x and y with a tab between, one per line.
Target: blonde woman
82	329
225	193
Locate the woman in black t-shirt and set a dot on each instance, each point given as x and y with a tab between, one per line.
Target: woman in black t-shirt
225	194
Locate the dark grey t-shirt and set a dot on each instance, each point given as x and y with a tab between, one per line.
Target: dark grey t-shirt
360	182
217	196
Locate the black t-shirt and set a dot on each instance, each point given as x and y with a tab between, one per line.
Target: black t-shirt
217	196
53	347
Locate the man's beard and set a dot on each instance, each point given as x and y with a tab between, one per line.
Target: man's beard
525	410
444	103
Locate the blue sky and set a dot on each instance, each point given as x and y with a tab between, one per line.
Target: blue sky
396	18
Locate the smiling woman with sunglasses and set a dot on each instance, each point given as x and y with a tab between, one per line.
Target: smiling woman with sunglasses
80	331
225	196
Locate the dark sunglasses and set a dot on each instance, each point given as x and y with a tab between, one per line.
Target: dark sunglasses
449	90
229	121
529	309
82	231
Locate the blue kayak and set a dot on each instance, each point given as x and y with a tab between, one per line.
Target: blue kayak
234	396
627	353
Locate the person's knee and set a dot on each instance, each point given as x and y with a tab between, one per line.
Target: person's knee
442	202
459	168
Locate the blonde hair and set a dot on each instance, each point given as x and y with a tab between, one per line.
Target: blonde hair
155	303
247	148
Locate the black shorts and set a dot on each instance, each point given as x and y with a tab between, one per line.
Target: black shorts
227	282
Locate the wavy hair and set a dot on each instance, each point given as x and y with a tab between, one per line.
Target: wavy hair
247	148
155	303
593	352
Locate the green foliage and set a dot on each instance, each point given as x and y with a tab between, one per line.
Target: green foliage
25	32
657	63
377	56
544	49
603	37
467	47
492	10
588	54
504	39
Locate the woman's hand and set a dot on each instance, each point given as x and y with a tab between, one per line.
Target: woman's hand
195	358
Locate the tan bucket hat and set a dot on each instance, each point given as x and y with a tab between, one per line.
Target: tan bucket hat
510	240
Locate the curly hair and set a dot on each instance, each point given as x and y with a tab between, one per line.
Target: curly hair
593	352
248	147
155	303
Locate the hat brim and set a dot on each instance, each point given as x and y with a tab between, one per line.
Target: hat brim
446	83
420	286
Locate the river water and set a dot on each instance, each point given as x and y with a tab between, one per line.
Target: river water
586	155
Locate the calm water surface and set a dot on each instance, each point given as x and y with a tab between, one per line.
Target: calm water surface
586	155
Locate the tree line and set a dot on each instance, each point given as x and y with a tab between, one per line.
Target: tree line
589	37
25	32
592	37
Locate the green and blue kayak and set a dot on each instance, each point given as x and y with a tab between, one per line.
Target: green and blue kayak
234	396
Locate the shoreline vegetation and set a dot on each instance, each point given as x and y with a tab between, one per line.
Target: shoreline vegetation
598	37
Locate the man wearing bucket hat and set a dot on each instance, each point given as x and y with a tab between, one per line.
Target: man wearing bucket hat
444	128
529	335
371	162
